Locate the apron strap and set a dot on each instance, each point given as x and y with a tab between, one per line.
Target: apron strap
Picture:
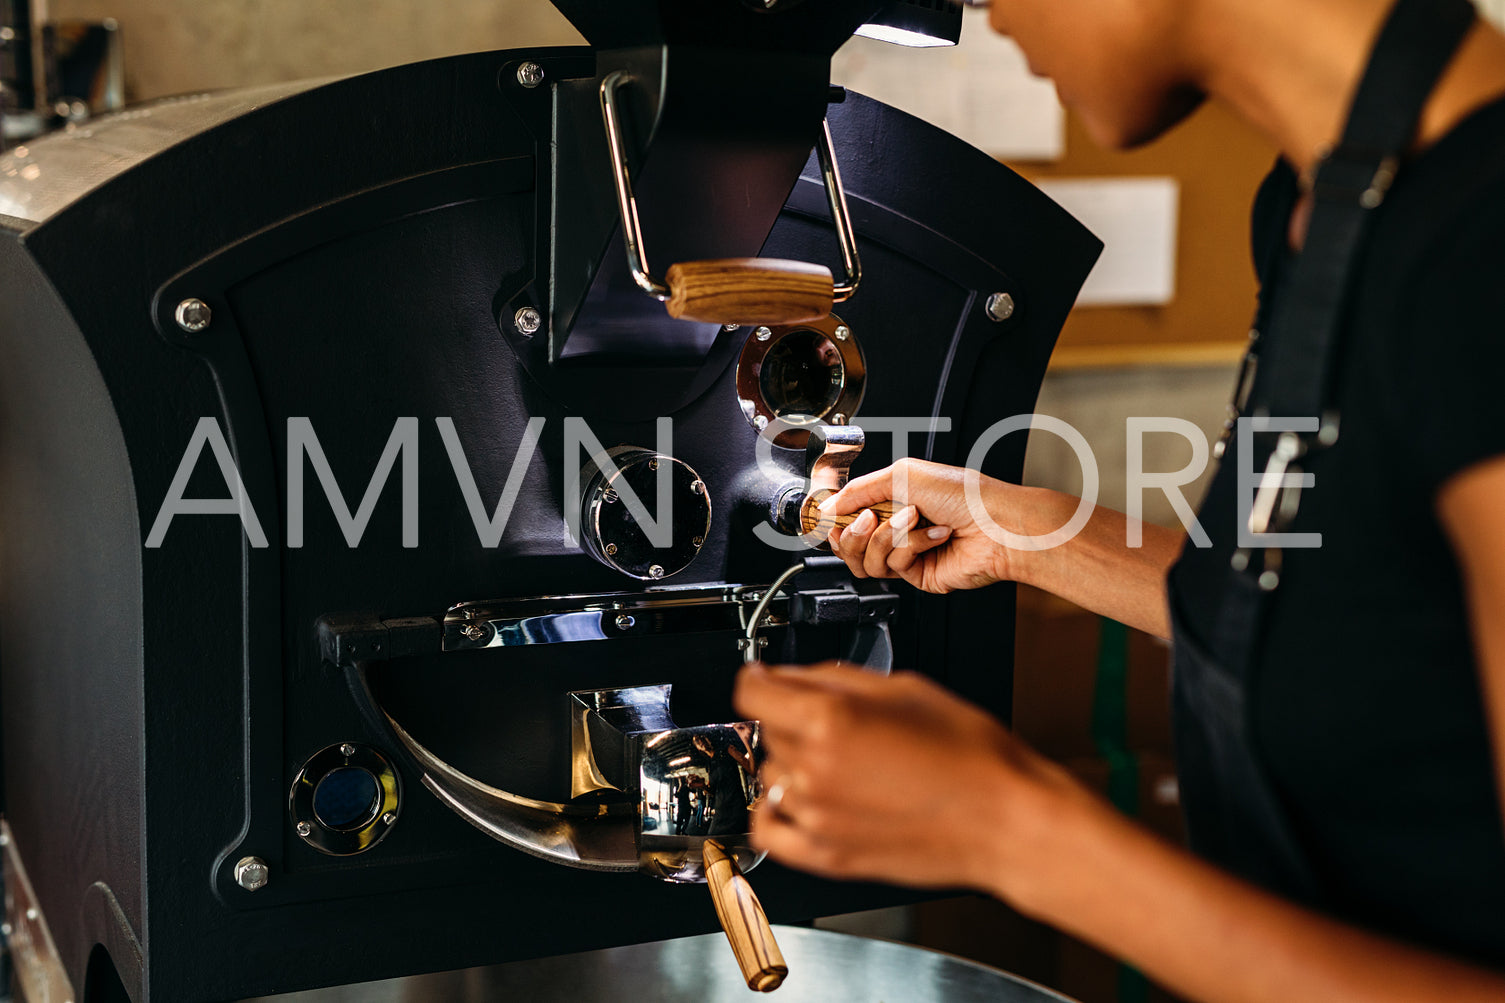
1242	821
1414	47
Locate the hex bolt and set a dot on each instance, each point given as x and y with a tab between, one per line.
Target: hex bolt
625	621
347	750
193	315
1000	307
251	873
655	571
528	320
388	817
843	333
530	75
304	829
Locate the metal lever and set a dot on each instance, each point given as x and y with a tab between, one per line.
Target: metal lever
791	292
829	454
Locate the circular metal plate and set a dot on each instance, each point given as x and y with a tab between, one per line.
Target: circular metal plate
614	502
802	373
344	799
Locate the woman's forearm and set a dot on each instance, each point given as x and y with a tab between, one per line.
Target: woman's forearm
1096	569
1212	937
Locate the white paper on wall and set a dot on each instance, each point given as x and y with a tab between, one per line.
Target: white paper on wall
1136	220
980	90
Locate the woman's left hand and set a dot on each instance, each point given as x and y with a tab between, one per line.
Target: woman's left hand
893	778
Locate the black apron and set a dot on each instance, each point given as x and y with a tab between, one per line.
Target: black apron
1234	816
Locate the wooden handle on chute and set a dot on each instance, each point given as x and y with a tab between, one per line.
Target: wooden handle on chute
768	291
744	921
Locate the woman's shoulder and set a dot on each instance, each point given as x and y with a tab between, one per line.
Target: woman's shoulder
1430	307
1446	218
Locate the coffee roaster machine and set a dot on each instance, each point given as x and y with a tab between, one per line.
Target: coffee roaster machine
345	632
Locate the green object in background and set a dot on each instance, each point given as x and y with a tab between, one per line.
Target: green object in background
1110	735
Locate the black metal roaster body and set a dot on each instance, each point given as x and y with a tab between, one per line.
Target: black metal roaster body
220	757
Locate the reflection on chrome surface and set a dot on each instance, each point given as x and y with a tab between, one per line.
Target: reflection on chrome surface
824	966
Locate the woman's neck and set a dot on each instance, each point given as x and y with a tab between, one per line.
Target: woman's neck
1291	68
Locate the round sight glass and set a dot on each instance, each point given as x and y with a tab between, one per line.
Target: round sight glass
347	798
803	374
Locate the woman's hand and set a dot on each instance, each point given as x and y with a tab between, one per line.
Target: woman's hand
893	778
954	552
984	530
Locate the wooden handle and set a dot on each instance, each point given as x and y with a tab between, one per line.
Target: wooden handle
750	291
813	520
744	921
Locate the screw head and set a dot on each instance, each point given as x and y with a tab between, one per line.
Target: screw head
764	334
305	829
193	315
655	571
731	327
697	542
31	914
611	550
473	631
625	621
388	817
528	320
843	333
1000	307
697	487
609	496
838	418
347	749
761	421
530	75
252	873
652	464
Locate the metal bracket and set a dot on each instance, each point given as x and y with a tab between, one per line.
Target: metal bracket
632	229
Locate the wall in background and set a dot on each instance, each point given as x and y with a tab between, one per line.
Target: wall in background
1217	161
179	46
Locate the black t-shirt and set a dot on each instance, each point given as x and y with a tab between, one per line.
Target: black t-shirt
1365	705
